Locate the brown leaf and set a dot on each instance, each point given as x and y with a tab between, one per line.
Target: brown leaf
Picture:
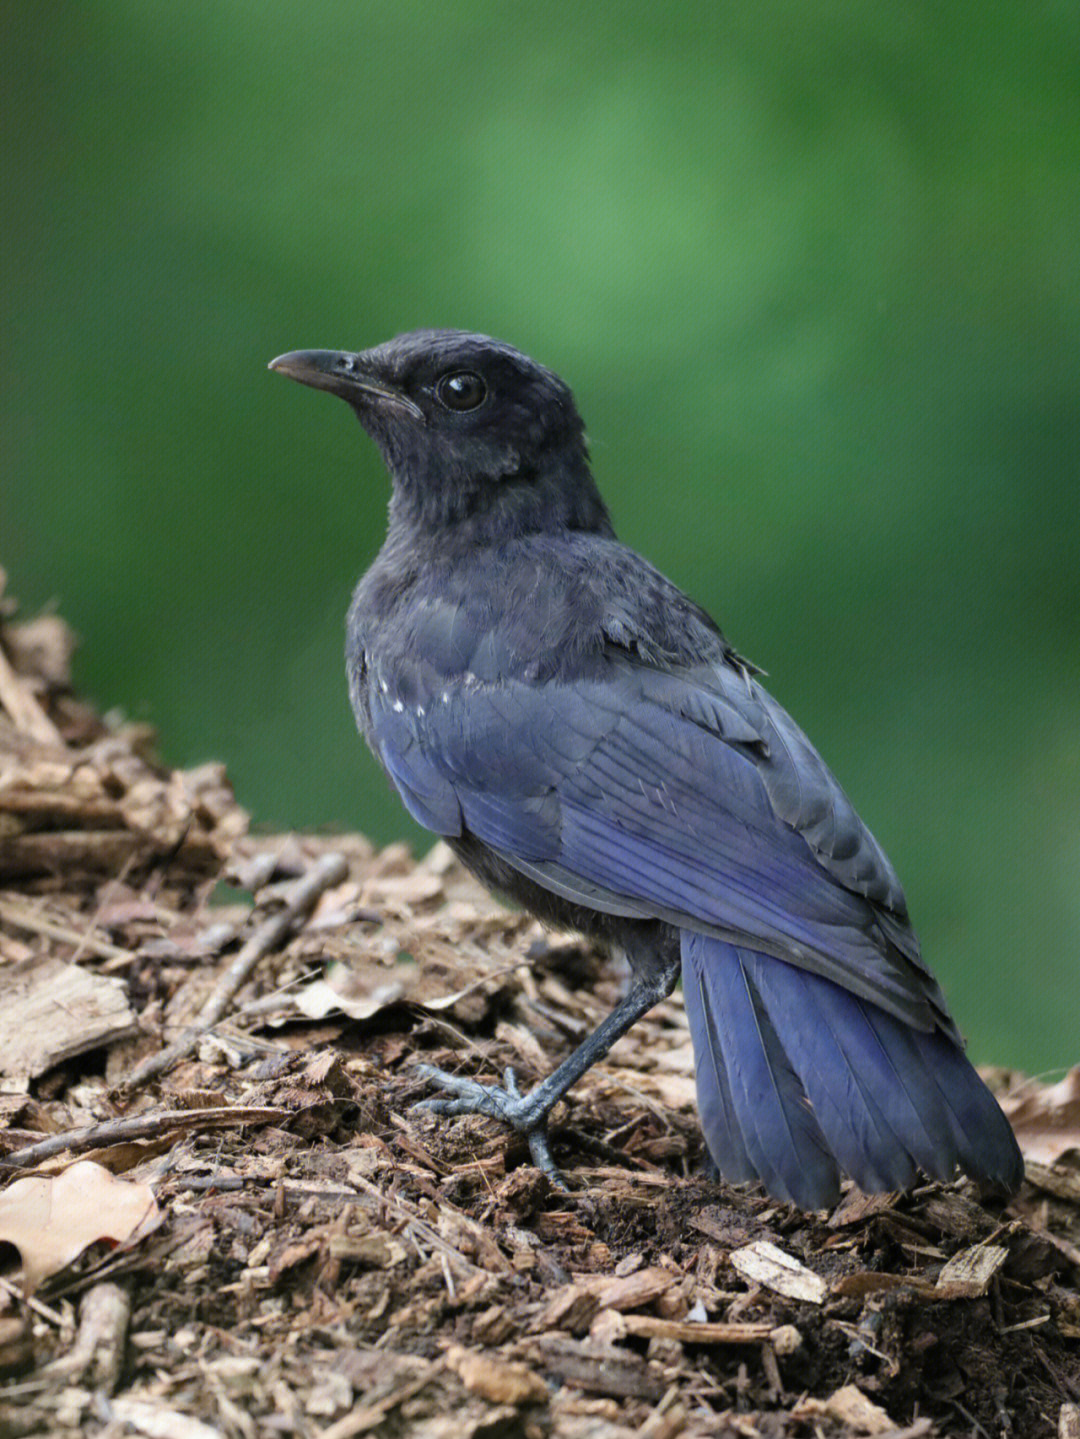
1047	1119
51	1221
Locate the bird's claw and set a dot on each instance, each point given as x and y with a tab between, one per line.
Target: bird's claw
504	1102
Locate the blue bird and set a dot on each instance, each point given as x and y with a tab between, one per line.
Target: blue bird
588	743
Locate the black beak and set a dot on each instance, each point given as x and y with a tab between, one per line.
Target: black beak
342	374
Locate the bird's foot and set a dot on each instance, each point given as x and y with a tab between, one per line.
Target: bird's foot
506	1102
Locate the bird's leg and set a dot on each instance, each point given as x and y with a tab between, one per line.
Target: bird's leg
655	976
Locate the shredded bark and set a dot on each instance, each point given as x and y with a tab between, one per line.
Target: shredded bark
233	1022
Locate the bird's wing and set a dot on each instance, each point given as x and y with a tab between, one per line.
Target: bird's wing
690	796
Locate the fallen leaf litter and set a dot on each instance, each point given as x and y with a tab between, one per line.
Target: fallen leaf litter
313	1257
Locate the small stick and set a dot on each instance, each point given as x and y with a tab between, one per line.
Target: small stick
140	1126
42	1310
27	917
328	870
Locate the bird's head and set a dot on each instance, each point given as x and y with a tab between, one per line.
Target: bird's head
469	427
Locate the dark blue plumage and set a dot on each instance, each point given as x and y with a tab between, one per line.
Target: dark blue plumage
586	739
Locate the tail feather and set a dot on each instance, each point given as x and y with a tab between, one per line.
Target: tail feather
852	1037
984	1138
797	1076
779	1133
716	1106
840	1068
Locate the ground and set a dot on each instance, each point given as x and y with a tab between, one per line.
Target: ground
220	1213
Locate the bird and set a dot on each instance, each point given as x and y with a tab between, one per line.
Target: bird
590	745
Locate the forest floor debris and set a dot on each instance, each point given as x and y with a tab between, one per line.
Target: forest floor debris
225	1026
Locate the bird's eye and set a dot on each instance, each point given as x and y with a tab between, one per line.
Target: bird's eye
461	390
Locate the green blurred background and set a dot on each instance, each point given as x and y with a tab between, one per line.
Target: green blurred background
812	271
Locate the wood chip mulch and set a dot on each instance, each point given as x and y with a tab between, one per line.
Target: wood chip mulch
228	1024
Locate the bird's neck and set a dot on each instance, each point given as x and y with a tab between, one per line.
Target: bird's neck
460	518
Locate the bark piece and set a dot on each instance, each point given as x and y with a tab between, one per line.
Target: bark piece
598	1368
51	1011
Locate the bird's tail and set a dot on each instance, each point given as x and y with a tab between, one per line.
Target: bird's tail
798	1080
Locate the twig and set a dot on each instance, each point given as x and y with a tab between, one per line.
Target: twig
27	917
328	870
36	1305
140	1126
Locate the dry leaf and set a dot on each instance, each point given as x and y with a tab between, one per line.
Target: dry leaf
319	999
51	1221
1047	1120
362	990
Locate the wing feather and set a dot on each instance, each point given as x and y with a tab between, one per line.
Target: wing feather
689	796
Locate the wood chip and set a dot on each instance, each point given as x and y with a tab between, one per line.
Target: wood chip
369	1251
51	1011
878	1281
158	1422
571	1308
500	1381
767	1264
954	1214
366	1417
1055	1179
857	1206
849	1406
631	1291
686	1331
494	1326
17	697
98	1350
16	1344
972	1269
